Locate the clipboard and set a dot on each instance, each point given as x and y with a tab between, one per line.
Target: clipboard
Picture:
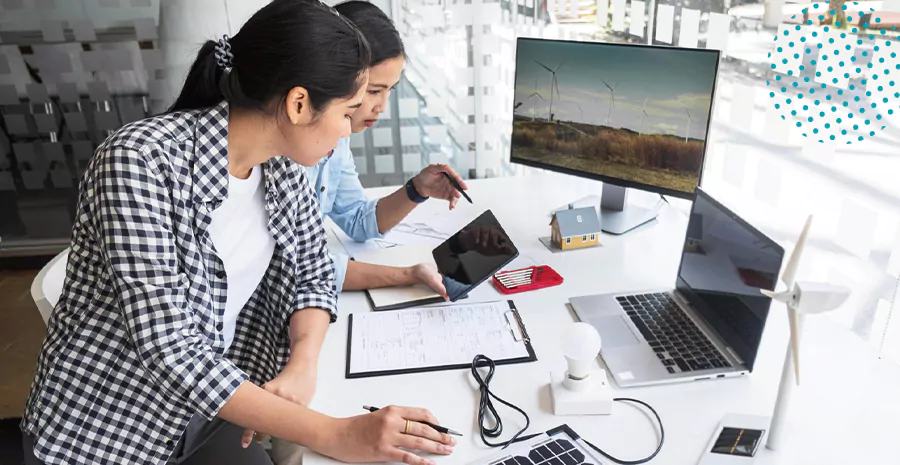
508	332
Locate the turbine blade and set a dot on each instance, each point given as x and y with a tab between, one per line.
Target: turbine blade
544	66
795	341
560	65
645	103
790	270
607	86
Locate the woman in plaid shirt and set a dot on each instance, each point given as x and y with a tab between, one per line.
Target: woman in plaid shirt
198	288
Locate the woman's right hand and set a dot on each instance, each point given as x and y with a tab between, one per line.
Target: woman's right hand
379	437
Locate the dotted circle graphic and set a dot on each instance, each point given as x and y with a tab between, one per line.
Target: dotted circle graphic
836	83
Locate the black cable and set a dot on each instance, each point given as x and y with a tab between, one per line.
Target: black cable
662	437
485	407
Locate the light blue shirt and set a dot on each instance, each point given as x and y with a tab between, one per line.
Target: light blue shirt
341	197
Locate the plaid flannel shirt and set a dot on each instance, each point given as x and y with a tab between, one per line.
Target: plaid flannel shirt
134	347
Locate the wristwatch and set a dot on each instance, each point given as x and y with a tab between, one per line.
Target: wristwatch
413	194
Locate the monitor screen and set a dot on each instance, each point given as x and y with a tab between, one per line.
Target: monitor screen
724	264
632	115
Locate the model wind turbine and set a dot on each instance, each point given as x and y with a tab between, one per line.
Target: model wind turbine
612	101
554	85
687	132
800	298
643	114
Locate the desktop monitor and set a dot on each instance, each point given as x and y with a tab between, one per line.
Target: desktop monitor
632	116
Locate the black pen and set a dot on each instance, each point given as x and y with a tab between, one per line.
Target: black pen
456	185
439	429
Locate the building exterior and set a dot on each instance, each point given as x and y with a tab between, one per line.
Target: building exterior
462	62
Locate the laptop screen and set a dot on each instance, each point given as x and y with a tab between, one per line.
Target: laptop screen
724	264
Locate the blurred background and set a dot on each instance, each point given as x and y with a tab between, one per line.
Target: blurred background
72	71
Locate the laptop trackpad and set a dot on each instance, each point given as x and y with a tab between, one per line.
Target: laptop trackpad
614	332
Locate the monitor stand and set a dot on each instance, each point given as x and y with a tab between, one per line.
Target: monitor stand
616	216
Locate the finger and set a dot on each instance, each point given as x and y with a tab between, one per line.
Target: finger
416	414
427	432
456	176
402	456
247	438
422	443
437	286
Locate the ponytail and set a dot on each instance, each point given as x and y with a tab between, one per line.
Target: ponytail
202	86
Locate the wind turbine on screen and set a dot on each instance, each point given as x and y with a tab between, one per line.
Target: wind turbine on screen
612	101
554	84
687	131
800	298
643	114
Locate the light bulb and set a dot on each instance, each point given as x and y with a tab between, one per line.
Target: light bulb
580	345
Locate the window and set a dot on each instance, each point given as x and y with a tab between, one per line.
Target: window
584	238
486	29
488	146
471	91
568	240
471	146
488	119
593	236
488	90
488	60
471	119
578	218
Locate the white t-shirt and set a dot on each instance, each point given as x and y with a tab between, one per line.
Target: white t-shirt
240	234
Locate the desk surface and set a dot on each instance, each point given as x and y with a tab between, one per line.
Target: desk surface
845	411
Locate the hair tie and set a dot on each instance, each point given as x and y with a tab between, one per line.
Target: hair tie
223	53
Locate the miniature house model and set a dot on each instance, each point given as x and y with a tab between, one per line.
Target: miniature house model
575	228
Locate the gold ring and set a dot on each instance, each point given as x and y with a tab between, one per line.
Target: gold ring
407	428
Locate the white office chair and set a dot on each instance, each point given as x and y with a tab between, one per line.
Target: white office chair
47	285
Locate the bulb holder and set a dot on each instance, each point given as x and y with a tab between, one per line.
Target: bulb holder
589	395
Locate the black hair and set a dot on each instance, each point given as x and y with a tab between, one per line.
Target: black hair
379	30
287	43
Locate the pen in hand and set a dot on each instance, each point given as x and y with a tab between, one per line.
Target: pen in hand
439	429
456	185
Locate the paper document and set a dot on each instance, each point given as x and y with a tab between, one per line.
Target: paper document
393	297
432	337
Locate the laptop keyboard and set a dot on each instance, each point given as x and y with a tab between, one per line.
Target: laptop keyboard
678	343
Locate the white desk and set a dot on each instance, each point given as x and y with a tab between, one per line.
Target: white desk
846	411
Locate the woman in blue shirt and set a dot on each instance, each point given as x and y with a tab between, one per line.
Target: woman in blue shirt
336	181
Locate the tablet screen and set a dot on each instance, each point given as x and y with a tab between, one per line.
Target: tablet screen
473	254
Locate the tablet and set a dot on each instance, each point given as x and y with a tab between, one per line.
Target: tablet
473	255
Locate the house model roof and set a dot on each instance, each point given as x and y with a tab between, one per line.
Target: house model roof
577	221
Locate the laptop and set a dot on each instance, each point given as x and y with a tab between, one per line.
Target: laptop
710	324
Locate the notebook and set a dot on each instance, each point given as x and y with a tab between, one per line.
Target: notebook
392	298
435	338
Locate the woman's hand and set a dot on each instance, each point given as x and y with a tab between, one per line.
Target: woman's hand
382	436
296	384
427	274
431	182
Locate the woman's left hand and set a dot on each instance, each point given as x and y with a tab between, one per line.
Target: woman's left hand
427	274
297	383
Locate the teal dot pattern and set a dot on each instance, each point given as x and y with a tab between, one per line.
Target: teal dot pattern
831	98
